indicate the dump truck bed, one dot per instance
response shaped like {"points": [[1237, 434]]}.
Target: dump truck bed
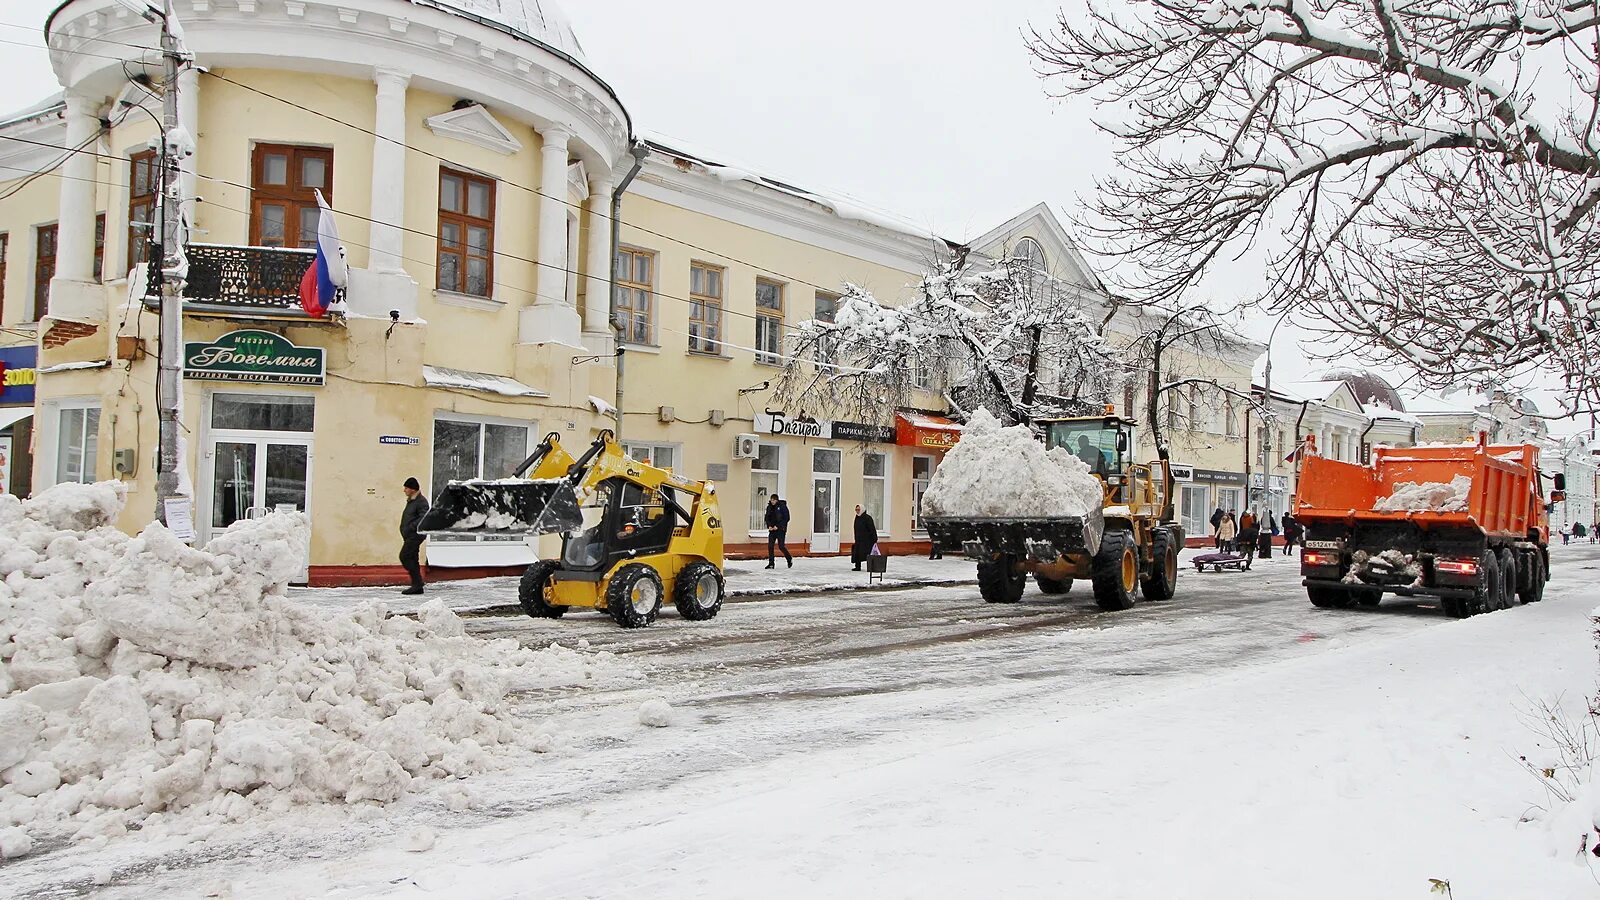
{"points": [[1500, 500]]}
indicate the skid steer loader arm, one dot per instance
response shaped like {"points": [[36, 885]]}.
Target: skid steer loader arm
{"points": [[545, 502]]}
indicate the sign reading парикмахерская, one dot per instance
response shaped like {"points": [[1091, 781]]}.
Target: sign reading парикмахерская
{"points": [[259, 357]]}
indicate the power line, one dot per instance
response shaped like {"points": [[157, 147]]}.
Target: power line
{"points": [[98, 40]]}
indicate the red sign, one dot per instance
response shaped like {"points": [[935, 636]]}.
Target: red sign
{"points": [[926, 432]]}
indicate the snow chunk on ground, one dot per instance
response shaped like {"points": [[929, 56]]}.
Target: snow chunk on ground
{"points": [[994, 471], [147, 684], [655, 713], [1432, 496]]}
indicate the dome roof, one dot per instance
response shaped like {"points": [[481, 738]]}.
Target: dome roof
{"points": [[541, 20], [1369, 387]]}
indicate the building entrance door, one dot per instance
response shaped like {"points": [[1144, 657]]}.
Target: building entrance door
{"points": [[825, 469], [251, 471]]}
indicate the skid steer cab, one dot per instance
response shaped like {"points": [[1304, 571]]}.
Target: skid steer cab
{"points": [[633, 536]]}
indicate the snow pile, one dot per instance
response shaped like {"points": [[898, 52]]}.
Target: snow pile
{"points": [[1433, 496], [149, 684], [994, 471], [1388, 562], [655, 713]]}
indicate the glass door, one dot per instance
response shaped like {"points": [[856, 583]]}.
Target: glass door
{"points": [[825, 469], [258, 448]]}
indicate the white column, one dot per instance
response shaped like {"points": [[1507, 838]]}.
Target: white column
{"points": [[189, 118], [388, 171], [597, 302], [551, 319], [75, 225]]}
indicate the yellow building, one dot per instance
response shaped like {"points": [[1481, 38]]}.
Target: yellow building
{"points": [[471, 156]]}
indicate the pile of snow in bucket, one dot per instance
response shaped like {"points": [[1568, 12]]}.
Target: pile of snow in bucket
{"points": [[146, 684], [994, 471], [1434, 496]]}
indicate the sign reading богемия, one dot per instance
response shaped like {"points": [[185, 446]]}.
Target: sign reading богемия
{"points": [[259, 357]]}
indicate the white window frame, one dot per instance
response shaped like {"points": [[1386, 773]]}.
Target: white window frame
{"points": [[887, 513], [50, 437], [651, 448], [468, 419], [782, 473]]}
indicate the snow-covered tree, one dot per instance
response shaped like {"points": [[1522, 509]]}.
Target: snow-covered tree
{"points": [[973, 333], [1422, 176]]}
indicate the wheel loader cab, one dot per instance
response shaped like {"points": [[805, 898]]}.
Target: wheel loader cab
{"points": [[1102, 442]]}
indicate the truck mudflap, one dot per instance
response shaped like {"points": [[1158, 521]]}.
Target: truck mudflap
{"points": [[1042, 540], [509, 506]]}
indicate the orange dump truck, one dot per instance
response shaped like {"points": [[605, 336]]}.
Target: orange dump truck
{"points": [[1467, 524]]}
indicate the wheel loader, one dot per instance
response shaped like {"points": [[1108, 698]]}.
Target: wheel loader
{"points": [[1128, 546], [633, 536]]}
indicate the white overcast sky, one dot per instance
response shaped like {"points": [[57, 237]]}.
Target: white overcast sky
{"points": [[931, 111]]}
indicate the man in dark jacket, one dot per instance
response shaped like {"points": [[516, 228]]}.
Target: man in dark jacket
{"points": [[866, 538], [1292, 533], [411, 539], [778, 530], [1216, 527], [1249, 537]]}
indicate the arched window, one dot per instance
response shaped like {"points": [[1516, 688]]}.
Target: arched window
{"points": [[1030, 254]]}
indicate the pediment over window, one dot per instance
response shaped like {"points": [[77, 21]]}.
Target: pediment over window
{"points": [[475, 125]]}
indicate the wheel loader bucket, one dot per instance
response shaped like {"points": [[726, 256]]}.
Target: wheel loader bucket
{"points": [[511, 506]]}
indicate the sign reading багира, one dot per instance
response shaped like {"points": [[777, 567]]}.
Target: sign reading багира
{"points": [[260, 357]]}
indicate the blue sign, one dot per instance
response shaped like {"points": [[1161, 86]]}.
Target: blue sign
{"points": [[402, 440], [19, 369]]}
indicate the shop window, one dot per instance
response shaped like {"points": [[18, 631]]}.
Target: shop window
{"points": [[284, 181], [662, 456], [705, 308], [99, 246], [263, 412], [635, 295], [77, 442], [466, 447], [766, 473], [466, 234], [827, 310], [875, 489], [921, 474], [143, 184], [1194, 510], [44, 266], [769, 322]]}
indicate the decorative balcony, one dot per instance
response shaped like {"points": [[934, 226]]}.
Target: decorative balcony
{"points": [[245, 280]]}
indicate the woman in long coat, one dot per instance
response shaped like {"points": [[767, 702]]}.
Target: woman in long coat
{"points": [[866, 538]]}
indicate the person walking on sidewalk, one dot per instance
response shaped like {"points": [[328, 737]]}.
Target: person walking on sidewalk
{"points": [[410, 538], [1216, 527], [778, 531], [866, 538], [1227, 531], [1292, 533], [1249, 534]]}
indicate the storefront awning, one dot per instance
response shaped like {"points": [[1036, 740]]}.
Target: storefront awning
{"points": [[11, 415], [461, 379], [925, 431]]}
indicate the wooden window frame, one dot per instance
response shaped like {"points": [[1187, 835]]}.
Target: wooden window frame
{"points": [[628, 314], [292, 195], [142, 206], [99, 246], [774, 318], [43, 272], [706, 313], [463, 221]]}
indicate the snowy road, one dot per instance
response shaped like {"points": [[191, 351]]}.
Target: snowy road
{"points": [[782, 688]]}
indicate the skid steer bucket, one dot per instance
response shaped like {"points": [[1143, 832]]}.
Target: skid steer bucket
{"points": [[512, 506]]}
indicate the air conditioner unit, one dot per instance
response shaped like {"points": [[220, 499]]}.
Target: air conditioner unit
{"points": [[746, 446]]}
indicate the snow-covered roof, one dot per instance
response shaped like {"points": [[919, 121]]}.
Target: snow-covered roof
{"points": [[1379, 410], [1451, 404], [461, 379], [1316, 391], [933, 423], [541, 20]]}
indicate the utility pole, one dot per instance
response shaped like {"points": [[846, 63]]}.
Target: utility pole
{"points": [[169, 381]]}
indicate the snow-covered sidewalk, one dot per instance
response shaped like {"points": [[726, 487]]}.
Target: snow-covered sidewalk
{"points": [[1360, 772]]}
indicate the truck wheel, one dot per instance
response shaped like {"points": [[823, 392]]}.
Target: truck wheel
{"points": [[1052, 586], [698, 592], [1000, 582], [1508, 578], [1368, 598], [634, 595], [1115, 571], [1328, 597], [1486, 597], [1536, 578], [1455, 607], [530, 591], [1163, 580]]}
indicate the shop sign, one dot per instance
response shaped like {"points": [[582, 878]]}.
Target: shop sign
{"points": [[930, 439], [19, 370], [780, 424], [1277, 485], [1181, 472], [1219, 477], [259, 357], [403, 440], [857, 431]]}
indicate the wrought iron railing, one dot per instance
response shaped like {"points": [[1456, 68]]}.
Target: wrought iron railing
{"points": [[263, 279]]}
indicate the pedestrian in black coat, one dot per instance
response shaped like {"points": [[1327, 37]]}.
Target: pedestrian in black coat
{"points": [[411, 539], [1293, 533], [866, 538], [1216, 526], [777, 519]]}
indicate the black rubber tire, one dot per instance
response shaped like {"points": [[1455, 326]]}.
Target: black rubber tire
{"points": [[1328, 597], [1537, 576], [688, 593], [1113, 587], [1455, 607], [1000, 582], [1486, 597], [1163, 580], [530, 591], [1368, 597], [620, 595], [1052, 586], [1508, 578]]}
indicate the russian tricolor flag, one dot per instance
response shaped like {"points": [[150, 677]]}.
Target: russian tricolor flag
{"points": [[321, 283]]}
